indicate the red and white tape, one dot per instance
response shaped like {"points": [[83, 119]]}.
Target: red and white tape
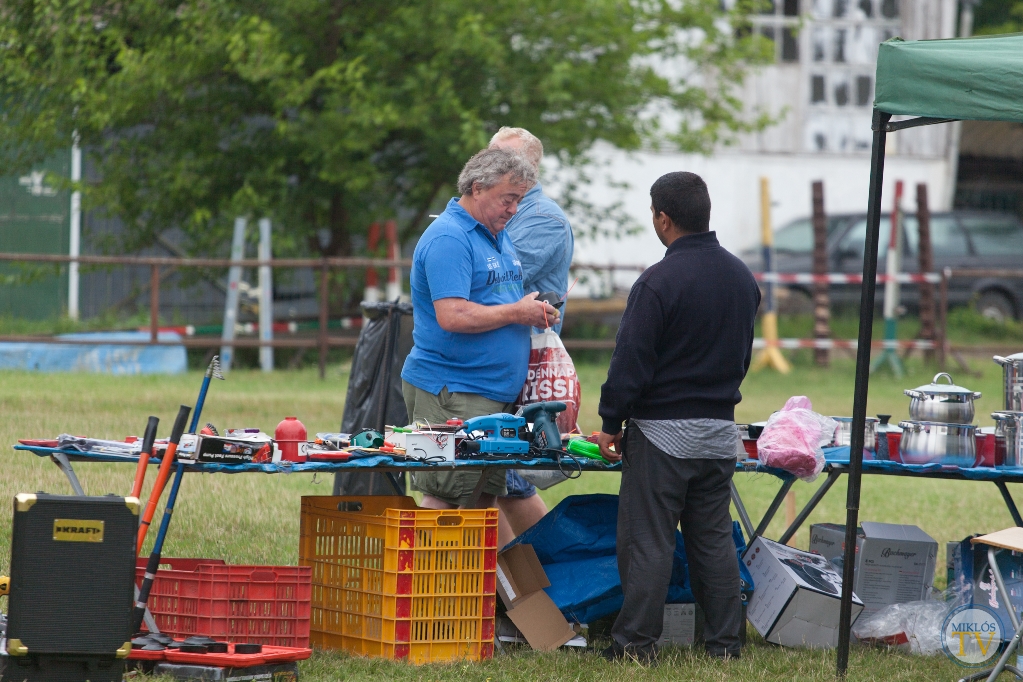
{"points": [[792, 344], [838, 278]]}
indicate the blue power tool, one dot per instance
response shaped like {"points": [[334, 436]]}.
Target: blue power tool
{"points": [[543, 416], [500, 435]]}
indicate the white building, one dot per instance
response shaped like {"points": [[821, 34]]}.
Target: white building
{"points": [[822, 87]]}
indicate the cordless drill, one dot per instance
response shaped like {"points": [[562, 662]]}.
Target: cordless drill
{"points": [[543, 417]]}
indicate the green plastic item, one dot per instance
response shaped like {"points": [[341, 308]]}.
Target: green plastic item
{"points": [[584, 448], [368, 439]]}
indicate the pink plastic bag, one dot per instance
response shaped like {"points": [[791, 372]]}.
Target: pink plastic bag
{"points": [[793, 438]]}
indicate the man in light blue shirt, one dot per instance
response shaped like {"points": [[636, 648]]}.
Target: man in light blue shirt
{"points": [[540, 230], [471, 336], [543, 239]]}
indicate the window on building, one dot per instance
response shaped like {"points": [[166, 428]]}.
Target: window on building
{"points": [[778, 21], [842, 94], [789, 44], [890, 9], [820, 141], [817, 89], [863, 84], [867, 7], [840, 8], [839, 54], [819, 42]]}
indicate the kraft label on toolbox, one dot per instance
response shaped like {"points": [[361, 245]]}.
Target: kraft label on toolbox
{"points": [[77, 530]]}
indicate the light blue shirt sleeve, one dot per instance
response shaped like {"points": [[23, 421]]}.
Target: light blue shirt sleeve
{"points": [[538, 239], [447, 263]]}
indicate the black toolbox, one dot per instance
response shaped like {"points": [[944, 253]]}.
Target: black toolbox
{"points": [[72, 582]]}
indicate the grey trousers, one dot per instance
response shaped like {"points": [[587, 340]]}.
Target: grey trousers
{"points": [[658, 493]]}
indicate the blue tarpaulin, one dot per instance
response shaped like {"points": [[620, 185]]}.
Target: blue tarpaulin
{"points": [[575, 543], [102, 357]]}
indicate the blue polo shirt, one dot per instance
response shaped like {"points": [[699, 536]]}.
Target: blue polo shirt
{"points": [[543, 239], [457, 257]]}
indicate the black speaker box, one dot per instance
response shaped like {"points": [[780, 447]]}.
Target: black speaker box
{"points": [[72, 582]]}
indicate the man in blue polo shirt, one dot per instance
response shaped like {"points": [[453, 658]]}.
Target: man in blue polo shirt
{"points": [[472, 322]]}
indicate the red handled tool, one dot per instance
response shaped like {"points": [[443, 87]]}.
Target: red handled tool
{"points": [[166, 463], [147, 451]]}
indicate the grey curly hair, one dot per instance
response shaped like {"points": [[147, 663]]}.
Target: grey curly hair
{"points": [[489, 166]]}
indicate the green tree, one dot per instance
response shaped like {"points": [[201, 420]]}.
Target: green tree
{"points": [[998, 16], [326, 115]]}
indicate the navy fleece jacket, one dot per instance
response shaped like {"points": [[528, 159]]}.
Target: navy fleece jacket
{"points": [[686, 338]]}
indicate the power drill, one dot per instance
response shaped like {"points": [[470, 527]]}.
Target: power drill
{"points": [[500, 435], [543, 417]]}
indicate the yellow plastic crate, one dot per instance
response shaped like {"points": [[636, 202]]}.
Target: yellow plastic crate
{"points": [[395, 581]]}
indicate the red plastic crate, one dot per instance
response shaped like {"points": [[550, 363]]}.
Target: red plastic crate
{"points": [[259, 604]]}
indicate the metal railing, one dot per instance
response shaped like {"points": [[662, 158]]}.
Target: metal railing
{"points": [[324, 266]]}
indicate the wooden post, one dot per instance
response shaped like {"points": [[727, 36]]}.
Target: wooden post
{"points": [[821, 300], [154, 303], [926, 262], [324, 281]]}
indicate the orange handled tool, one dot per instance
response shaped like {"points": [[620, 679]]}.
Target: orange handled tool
{"points": [[147, 451], [166, 463]]}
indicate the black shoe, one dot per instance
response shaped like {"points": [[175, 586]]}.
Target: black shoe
{"points": [[725, 654], [642, 655]]}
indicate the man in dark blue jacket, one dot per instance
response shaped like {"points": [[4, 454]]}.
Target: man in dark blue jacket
{"points": [[683, 349]]}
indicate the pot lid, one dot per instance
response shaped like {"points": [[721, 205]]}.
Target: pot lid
{"points": [[1015, 357], [934, 388]]}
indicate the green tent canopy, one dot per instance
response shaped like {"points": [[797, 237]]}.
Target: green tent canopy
{"points": [[933, 81], [974, 79]]}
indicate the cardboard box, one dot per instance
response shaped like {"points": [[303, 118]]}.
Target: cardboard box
{"points": [[828, 540], [520, 583], [950, 566], [894, 563], [505, 631], [679, 625], [973, 573], [797, 598], [433, 445]]}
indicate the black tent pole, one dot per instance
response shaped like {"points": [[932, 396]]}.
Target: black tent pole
{"points": [[852, 500]]}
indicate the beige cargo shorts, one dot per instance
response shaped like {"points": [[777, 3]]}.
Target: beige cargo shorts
{"points": [[454, 487]]}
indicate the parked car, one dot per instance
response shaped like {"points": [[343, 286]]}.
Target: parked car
{"points": [[960, 239]]}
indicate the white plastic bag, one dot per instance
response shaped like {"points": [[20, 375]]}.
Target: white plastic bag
{"points": [[552, 376], [793, 439], [914, 626]]}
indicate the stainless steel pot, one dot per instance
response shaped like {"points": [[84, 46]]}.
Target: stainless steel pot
{"points": [[1008, 438], [925, 442], [943, 403], [843, 436], [1012, 373]]}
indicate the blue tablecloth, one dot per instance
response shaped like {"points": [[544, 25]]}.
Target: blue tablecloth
{"points": [[833, 456], [840, 456], [359, 461]]}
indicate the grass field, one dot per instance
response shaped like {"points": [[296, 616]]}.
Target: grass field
{"points": [[254, 518]]}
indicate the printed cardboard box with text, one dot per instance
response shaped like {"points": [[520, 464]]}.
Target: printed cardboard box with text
{"points": [[797, 598], [894, 563]]}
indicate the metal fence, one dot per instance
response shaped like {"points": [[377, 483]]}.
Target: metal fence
{"points": [[161, 267]]}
